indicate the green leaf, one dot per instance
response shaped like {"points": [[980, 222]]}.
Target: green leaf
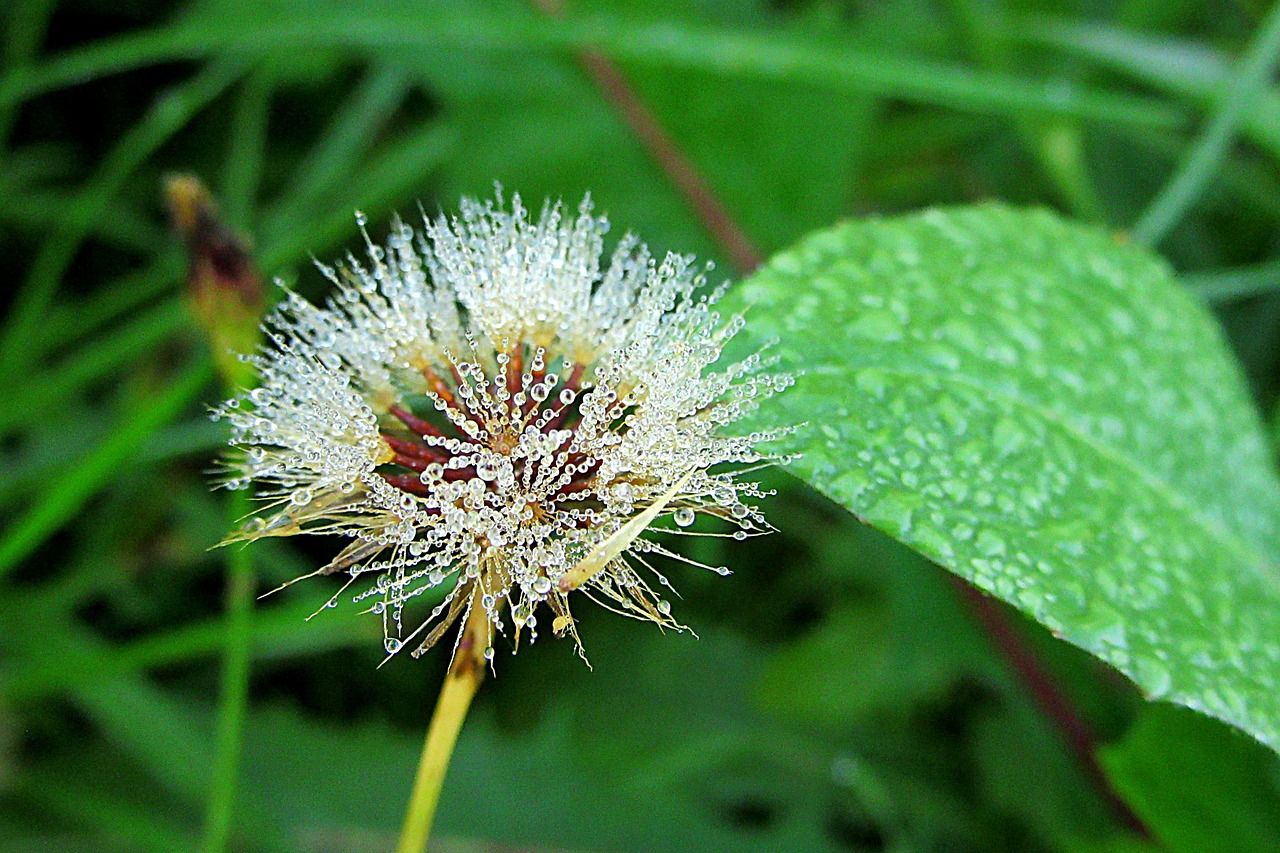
{"points": [[1197, 786], [1045, 412]]}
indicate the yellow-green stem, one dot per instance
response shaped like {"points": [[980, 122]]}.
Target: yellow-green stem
{"points": [[460, 685]]}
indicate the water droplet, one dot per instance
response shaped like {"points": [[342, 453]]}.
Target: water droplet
{"points": [[541, 585], [664, 607], [878, 324], [1153, 676], [683, 517], [392, 645]]}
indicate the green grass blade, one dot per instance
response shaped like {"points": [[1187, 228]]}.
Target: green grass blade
{"points": [[69, 321], [25, 27], [38, 212], [165, 119], [730, 52], [392, 175], [280, 631], [344, 141], [1237, 283], [1188, 182], [93, 362], [1055, 145], [242, 170], [1185, 69], [87, 803], [58, 504]]}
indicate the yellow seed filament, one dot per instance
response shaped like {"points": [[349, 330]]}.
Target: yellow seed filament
{"points": [[606, 551]]}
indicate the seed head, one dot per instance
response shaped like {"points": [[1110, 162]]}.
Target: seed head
{"points": [[484, 407]]}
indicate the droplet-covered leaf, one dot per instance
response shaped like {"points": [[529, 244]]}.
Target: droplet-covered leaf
{"points": [[1042, 410]]}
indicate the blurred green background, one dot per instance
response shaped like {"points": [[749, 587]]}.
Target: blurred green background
{"points": [[841, 693]]}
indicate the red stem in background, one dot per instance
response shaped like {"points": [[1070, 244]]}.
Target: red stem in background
{"points": [[1055, 704], [715, 217], [679, 169]]}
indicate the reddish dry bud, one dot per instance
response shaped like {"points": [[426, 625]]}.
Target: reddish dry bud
{"points": [[223, 285]]}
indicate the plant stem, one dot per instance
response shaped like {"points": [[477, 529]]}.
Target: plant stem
{"points": [[1053, 702], [234, 703], [460, 685]]}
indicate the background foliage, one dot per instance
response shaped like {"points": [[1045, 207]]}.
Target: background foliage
{"points": [[843, 693]]}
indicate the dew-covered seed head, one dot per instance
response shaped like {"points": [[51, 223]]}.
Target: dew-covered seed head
{"points": [[481, 406]]}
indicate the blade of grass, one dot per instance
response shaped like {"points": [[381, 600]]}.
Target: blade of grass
{"points": [[278, 632], [87, 803], [57, 505], [1210, 149], [24, 476], [346, 138], [1185, 69], [68, 321], [166, 118], [242, 168], [1242, 180], [395, 171], [166, 737], [1238, 283], [93, 362], [1054, 144], [24, 31], [139, 719], [38, 212], [730, 52]]}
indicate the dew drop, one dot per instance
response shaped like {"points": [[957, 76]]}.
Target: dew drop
{"points": [[392, 645], [664, 607], [541, 585], [683, 517]]}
